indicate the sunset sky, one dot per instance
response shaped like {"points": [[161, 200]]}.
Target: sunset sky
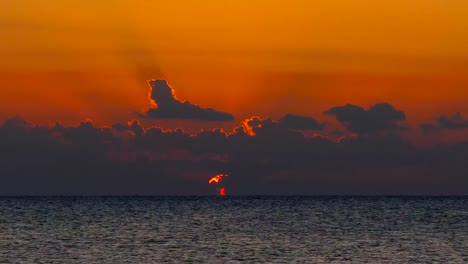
{"points": [[78, 59], [69, 61]]}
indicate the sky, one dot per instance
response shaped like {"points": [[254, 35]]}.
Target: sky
{"points": [[351, 73]]}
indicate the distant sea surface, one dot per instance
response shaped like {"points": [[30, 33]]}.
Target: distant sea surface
{"points": [[233, 229]]}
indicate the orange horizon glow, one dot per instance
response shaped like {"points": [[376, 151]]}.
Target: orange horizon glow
{"points": [[68, 97], [89, 59]]}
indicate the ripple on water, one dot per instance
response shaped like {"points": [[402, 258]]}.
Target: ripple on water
{"points": [[233, 230]]}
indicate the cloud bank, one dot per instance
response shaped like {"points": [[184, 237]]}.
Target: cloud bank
{"points": [[262, 156]]}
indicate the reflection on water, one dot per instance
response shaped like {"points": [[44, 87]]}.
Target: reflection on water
{"points": [[233, 230]]}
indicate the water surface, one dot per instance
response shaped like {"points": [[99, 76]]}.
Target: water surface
{"points": [[233, 229]]}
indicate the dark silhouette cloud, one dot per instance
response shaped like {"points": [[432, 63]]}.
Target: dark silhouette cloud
{"points": [[300, 122], [17, 122], [169, 107], [262, 156], [134, 126], [443, 122], [379, 117], [163, 141], [120, 127]]}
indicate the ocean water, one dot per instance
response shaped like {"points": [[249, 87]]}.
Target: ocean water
{"points": [[234, 230]]}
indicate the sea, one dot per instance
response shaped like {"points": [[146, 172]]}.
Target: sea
{"points": [[245, 229]]}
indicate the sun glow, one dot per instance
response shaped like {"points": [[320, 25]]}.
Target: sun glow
{"points": [[222, 192], [217, 179]]}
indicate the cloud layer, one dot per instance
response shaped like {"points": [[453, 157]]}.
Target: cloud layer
{"points": [[262, 156], [169, 107]]}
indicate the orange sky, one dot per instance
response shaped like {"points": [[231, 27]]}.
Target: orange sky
{"points": [[68, 60]]}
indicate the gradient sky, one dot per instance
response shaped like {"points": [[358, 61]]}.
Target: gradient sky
{"points": [[78, 59], [66, 61]]}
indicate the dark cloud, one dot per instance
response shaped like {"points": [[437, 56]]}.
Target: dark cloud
{"points": [[163, 141], [261, 155], [443, 122], [17, 122], [87, 134], [120, 127], [134, 126], [169, 107], [298, 122], [379, 117]]}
